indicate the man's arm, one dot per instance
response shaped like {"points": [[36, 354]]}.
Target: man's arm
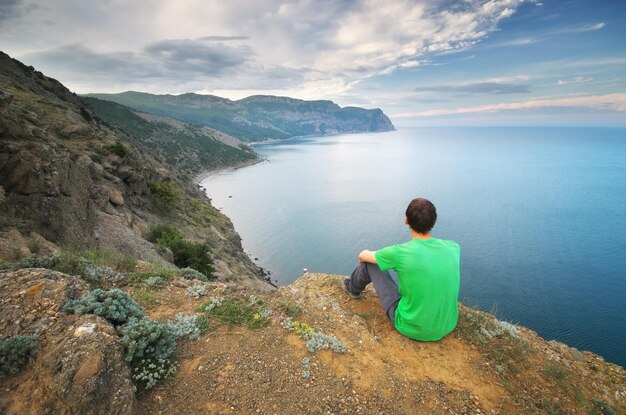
{"points": [[367, 256]]}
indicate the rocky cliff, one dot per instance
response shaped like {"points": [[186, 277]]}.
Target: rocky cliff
{"points": [[81, 182], [306, 348], [258, 117]]}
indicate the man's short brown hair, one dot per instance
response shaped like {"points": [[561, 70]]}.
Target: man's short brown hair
{"points": [[421, 215]]}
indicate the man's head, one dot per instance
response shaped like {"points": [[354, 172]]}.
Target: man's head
{"points": [[421, 215]]}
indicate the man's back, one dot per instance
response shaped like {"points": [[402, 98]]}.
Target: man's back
{"points": [[429, 276]]}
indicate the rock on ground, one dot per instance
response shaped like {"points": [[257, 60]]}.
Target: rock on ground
{"points": [[78, 366]]}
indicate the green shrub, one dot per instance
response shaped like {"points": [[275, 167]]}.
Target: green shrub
{"points": [[14, 352], [192, 255], [599, 407], [163, 235], [290, 308], [149, 345], [70, 262], [236, 311], [196, 291], [164, 196], [156, 277], [115, 305], [192, 274], [315, 340], [186, 254], [156, 283], [118, 261], [33, 262], [118, 148], [189, 326]]}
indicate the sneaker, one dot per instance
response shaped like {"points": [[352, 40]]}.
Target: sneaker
{"points": [[344, 286]]}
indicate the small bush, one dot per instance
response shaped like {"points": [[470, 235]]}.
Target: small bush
{"points": [[145, 296], [14, 353], [321, 341], [290, 308], [49, 262], [555, 372], [70, 262], [315, 340], [118, 261], [236, 311], [192, 255], [118, 148], [599, 407], [164, 196], [98, 274], [196, 291], [155, 283], [149, 346], [192, 274], [189, 326], [115, 305], [163, 235], [186, 254]]}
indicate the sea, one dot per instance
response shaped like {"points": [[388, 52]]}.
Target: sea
{"points": [[540, 214]]}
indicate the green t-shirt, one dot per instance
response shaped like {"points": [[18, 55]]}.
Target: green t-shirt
{"points": [[429, 276]]}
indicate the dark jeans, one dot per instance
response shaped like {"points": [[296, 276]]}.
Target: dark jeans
{"points": [[385, 286]]}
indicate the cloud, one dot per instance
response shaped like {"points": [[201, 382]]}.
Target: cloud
{"points": [[318, 47], [583, 28], [223, 38], [193, 56], [610, 102], [574, 80], [13, 9], [540, 37], [478, 88]]}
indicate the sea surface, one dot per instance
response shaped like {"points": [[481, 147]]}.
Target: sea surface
{"points": [[540, 214]]}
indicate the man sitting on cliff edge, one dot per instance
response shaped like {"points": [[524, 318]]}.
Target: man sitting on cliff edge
{"points": [[423, 306]]}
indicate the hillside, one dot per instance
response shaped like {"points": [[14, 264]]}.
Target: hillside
{"points": [[189, 147], [306, 348], [257, 117], [124, 291], [69, 179]]}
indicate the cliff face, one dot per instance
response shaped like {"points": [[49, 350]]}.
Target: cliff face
{"points": [[258, 117], [81, 182], [309, 349]]}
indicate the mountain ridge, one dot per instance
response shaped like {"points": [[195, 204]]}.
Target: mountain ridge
{"points": [[257, 117]]}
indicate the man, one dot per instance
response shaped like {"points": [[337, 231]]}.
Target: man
{"points": [[423, 306]]}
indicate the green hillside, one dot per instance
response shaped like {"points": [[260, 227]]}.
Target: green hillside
{"points": [[189, 147], [257, 117]]}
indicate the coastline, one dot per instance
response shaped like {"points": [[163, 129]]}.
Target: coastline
{"points": [[200, 177]]}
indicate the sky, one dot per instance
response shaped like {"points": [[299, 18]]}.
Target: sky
{"points": [[423, 62]]}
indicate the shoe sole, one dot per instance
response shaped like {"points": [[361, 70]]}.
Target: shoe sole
{"points": [[351, 294]]}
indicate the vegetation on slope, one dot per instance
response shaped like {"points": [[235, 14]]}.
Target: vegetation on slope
{"points": [[190, 148], [82, 182]]}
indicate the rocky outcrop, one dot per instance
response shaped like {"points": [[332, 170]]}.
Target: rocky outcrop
{"points": [[81, 182], [78, 366], [485, 366]]}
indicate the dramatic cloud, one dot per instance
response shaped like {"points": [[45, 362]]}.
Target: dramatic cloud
{"points": [[319, 47], [12, 9], [611, 102], [477, 88]]}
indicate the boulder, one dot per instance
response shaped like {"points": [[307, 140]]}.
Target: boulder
{"points": [[13, 246], [115, 197], [78, 366]]}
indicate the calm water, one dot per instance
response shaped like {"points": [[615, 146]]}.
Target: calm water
{"points": [[540, 214]]}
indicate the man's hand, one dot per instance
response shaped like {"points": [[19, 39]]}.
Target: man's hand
{"points": [[367, 256]]}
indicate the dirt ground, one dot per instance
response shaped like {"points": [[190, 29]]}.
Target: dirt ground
{"points": [[241, 371]]}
